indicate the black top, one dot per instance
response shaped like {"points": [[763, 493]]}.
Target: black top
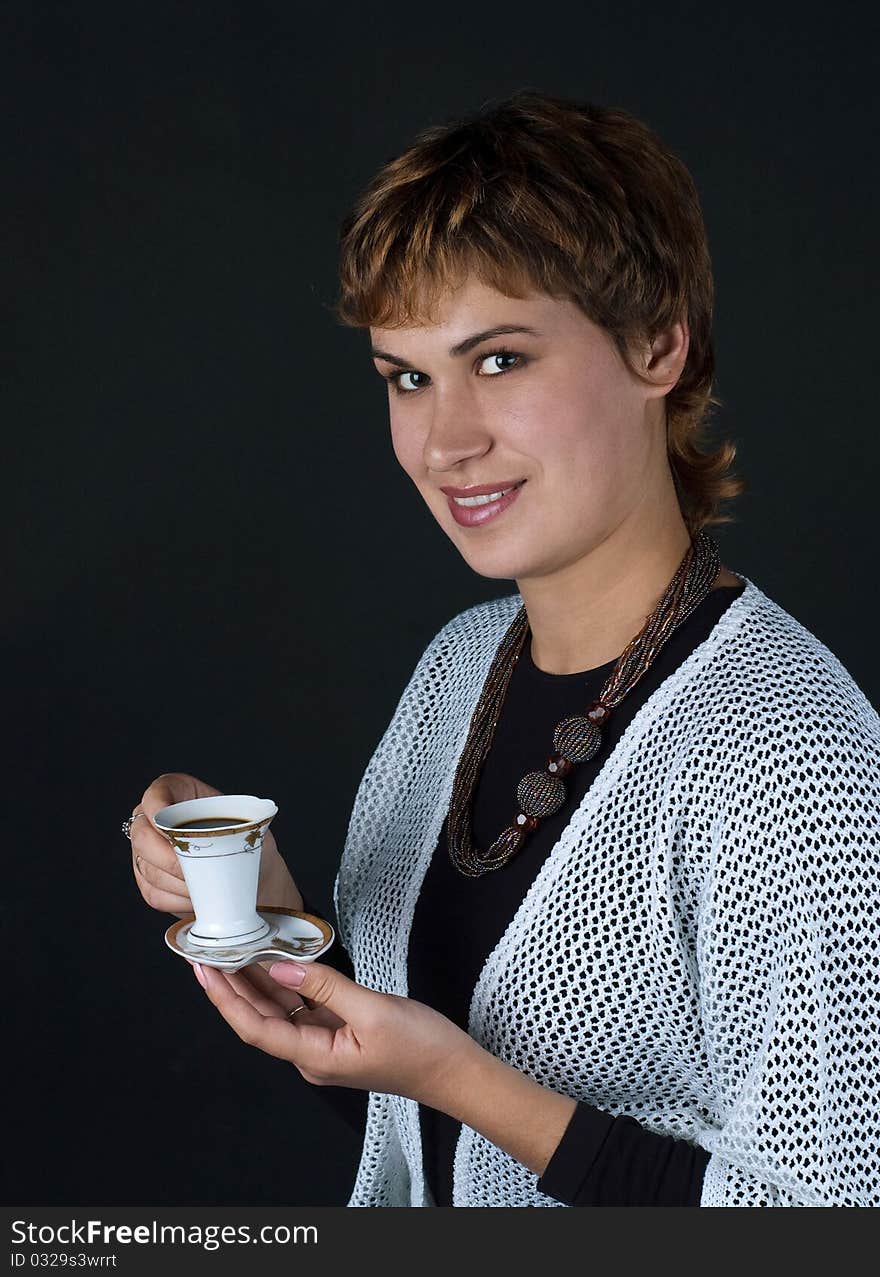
{"points": [[600, 1160]]}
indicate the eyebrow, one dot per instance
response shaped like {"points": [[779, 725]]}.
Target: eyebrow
{"points": [[462, 347]]}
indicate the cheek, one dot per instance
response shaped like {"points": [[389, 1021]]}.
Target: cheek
{"points": [[406, 449], [570, 437], [583, 445], [599, 454]]}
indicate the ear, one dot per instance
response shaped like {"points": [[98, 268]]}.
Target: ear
{"points": [[665, 357]]}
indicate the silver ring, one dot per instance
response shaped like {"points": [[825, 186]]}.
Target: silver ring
{"points": [[127, 824], [290, 1014]]}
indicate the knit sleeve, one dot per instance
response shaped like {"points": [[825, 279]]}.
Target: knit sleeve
{"points": [[788, 944]]}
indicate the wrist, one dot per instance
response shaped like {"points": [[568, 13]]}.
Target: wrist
{"points": [[458, 1071], [508, 1107], [465, 1073]]}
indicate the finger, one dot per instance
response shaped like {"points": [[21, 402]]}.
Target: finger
{"points": [[271, 988], [161, 884], [174, 787], [156, 875], [165, 901], [266, 1004], [170, 902], [278, 1037], [312, 1014], [327, 987], [152, 845], [159, 877]]}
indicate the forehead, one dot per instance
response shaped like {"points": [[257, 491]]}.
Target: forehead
{"points": [[465, 308]]}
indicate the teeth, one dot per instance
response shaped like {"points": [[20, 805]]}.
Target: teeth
{"points": [[484, 500]]}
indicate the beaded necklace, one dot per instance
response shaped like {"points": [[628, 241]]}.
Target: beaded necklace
{"points": [[576, 739]]}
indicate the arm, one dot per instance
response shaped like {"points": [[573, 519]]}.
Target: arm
{"points": [[510, 1109], [604, 1160], [585, 1157], [787, 959], [355, 1036]]}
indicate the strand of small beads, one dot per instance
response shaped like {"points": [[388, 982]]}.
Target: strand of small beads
{"points": [[576, 739]]}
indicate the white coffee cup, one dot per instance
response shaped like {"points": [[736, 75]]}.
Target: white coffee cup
{"points": [[221, 865]]}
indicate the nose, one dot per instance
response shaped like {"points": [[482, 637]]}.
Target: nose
{"points": [[456, 433]]}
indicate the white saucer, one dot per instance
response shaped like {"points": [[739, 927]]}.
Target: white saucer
{"points": [[301, 937]]}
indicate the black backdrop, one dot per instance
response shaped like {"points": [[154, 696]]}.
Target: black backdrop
{"points": [[215, 564]]}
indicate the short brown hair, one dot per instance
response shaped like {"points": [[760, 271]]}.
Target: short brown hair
{"points": [[575, 200]]}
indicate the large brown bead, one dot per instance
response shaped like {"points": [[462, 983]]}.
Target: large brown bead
{"points": [[527, 824], [598, 713], [577, 738], [539, 794], [558, 766]]}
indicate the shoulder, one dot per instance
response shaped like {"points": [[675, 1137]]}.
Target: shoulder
{"points": [[784, 774], [458, 657], [796, 740], [476, 630], [775, 667]]}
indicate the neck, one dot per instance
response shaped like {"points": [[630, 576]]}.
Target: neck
{"points": [[584, 615]]}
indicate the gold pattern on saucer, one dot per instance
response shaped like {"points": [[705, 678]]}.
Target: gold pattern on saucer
{"points": [[301, 944], [323, 927]]}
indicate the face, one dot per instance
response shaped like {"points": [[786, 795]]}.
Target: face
{"points": [[554, 407]]}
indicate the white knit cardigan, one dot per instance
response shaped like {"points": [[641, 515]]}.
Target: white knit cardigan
{"points": [[700, 948]]}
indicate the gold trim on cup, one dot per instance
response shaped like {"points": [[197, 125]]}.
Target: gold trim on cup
{"points": [[181, 837], [219, 833]]}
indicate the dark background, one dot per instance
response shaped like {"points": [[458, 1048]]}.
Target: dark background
{"points": [[215, 564]]}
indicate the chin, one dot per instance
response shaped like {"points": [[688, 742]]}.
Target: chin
{"points": [[498, 562], [497, 567]]}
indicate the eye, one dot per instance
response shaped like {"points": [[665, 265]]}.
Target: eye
{"points": [[495, 355], [396, 378]]}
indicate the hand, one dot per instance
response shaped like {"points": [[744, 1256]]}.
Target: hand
{"points": [[351, 1036], [154, 861]]}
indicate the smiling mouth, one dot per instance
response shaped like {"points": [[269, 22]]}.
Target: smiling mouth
{"points": [[487, 498]]}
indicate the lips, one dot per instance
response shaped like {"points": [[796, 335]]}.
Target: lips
{"points": [[483, 489], [476, 515]]}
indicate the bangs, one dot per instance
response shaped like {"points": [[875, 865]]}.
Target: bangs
{"points": [[404, 285]]}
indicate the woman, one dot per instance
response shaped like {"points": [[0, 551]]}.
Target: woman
{"points": [[609, 890]]}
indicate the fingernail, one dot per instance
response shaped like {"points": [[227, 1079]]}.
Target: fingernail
{"points": [[289, 973], [200, 975]]}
